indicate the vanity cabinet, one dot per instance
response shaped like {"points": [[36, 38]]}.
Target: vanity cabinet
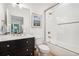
{"points": [[18, 47]]}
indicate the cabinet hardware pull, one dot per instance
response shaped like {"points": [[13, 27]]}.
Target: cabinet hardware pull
{"points": [[26, 41], [49, 32], [8, 45], [27, 49], [31, 53]]}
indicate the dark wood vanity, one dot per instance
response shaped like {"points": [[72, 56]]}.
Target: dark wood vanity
{"points": [[18, 47]]}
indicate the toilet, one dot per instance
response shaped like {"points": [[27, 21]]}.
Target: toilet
{"points": [[43, 50], [41, 47]]}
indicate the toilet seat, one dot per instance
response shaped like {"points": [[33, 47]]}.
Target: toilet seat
{"points": [[43, 48]]}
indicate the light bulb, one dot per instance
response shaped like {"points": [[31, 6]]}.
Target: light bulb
{"points": [[20, 5], [14, 4]]}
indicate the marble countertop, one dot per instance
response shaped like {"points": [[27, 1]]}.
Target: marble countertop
{"points": [[14, 37]]}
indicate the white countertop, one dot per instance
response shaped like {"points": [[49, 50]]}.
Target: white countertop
{"points": [[14, 37]]}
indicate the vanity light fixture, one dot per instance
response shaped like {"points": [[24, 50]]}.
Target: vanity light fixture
{"points": [[20, 5]]}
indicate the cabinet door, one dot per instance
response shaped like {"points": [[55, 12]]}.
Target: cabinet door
{"points": [[20, 43], [7, 53], [19, 47], [31, 42]]}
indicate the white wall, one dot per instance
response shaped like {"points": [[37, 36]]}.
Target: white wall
{"points": [[39, 8], [2, 15], [2, 11], [26, 13], [36, 8], [37, 32]]}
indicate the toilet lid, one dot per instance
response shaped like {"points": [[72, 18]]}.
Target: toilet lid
{"points": [[43, 47]]}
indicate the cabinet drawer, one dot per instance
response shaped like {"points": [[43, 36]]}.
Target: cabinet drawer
{"points": [[7, 45], [12, 44]]}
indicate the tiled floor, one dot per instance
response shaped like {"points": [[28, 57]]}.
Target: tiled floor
{"points": [[49, 54]]}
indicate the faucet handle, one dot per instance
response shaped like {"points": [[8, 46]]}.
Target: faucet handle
{"points": [[49, 32]]}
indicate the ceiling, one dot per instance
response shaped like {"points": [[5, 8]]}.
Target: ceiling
{"points": [[36, 6], [39, 6]]}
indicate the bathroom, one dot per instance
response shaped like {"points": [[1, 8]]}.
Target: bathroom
{"points": [[39, 29]]}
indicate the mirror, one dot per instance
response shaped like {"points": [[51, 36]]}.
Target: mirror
{"points": [[17, 20], [16, 24]]}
